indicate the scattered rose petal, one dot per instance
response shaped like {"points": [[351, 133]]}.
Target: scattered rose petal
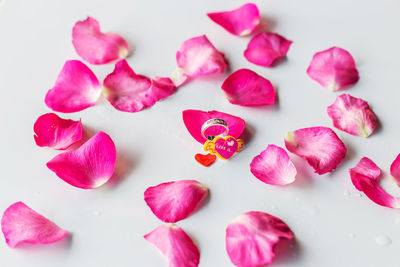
{"points": [[273, 166], [57, 133], [194, 119], [365, 177], [96, 47], [76, 88], [333, 68], [395, 170], [352, 115], [205, 160], [265, 48], [90, 166], [241, 21], [161, 87], [252, 237], [21, 224], [198, 57], [246, 88], [176, 246], [175, 201], [320, 146]]}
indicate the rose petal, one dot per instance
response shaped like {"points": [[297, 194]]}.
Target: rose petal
{"points": [[175, 201], [320, 146], [352, 115], [333, 68], [246, 88], [21, 224], [90, 166], [176, 246], [198, 57], [161, 87], [395, 170], [265, 48], [194, 119], [96, 47], [273, 166], [365, 177], [76, 88], [241, 21], [252, 237], [57, 133]]}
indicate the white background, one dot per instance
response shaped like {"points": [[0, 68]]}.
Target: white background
{"points": [[333, 224]]}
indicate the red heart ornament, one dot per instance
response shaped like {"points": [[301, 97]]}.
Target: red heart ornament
{"points": [[205, 160]]}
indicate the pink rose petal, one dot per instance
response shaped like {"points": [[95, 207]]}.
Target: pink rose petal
{"points": [[96, 47], [320, 146], [161, 87], [198, 57], [57, 133], [176, 246], [90, 166], [352, 115], [266, 48], [395, 170], [365, 177], [252, 237], [246, 88], [333, 68], [21, 224], [194, 119], [175, 201], [241, 21], [76, 88], [273, 166]]}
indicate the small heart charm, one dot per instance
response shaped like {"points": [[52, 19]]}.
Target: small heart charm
{"points": [[224, 147], [205, 160]]}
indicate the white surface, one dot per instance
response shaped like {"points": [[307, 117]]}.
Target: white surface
{"points": [[334, 226]]}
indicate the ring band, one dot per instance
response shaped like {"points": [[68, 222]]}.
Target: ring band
{"points": [[211, 123]]}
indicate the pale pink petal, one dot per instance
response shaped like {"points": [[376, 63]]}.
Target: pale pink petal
{"points": [[352, 115], [76, 88], [197, 57], [241, 21], [265, 48], [246, 88], [176, 246], [90, 166], [252, 237], [21, 224], [333, 68], [57, 133], [96, 47], [365, 177], [175, 201], [395, 170], [320, 146], [273, 166], [194, 119]]}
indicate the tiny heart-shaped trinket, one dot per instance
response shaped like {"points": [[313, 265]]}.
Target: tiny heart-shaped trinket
{"points": [[224, 147], [205, 160]]}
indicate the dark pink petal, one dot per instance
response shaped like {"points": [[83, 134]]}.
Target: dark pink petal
{"points": [[241, 21], [161, 87], [320, 146], [21, 224], [252, 237], [175, 201], [57, 133], [395, 170], [365, 177], [352, 115], [96, 47], [198, 57], [246, 88], [76, 88], [176, 246], [90, 166], [194, 119], [273, 166], [265, 48], [333, 68]]}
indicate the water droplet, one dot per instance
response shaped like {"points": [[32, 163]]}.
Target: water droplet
{"points": [[351, 235], [356, 194], [383, 240]]}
